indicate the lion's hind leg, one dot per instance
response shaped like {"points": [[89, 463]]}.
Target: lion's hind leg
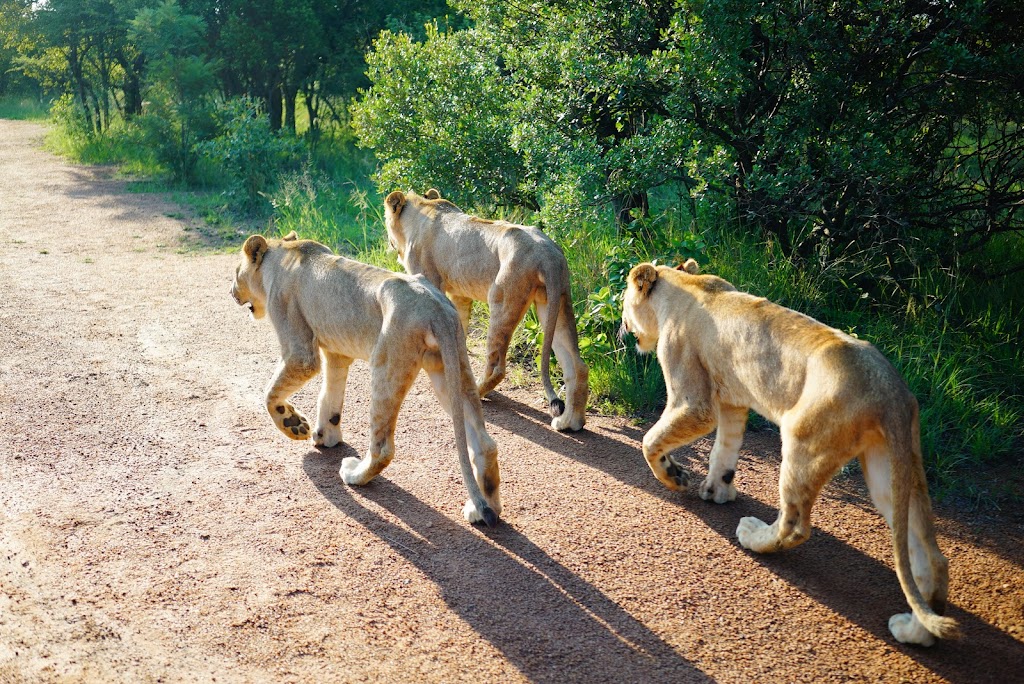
{"points": [[390, 381], [291, 374], [332, 400], [483, 451], [575, 373], [801, 477], [508, 306], [929, 566]]}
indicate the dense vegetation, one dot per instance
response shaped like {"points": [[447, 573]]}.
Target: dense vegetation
{"points": [[860, 161]]}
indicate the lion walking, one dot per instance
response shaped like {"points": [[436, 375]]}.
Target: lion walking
{"points": [[833, 397], [327, 311], [509, 266]]}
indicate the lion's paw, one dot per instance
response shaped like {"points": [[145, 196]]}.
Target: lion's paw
{"points": [[474, 515], [289, 421], [718, 490], [328, 431], [752, 533], [908, 630], [351, 472], [568, 423], [671, 473]]}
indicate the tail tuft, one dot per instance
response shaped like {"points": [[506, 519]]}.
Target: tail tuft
{"points": [[556, 407], [942, 627]]}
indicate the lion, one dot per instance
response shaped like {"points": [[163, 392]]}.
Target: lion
{"points": [[723, 352], [328, 310], [506, 265]]}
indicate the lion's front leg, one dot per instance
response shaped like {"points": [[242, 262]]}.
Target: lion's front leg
{"points": [[332, 400], [718, 486], [676, 427], [291, 374]]}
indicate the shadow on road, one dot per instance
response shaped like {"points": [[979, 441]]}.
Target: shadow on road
{"points": [[866, 592], [548, 622], [827, 569]]}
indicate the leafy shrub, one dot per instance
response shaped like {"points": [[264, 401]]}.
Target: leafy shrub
{"points": [[251, 154], [67, 114]]}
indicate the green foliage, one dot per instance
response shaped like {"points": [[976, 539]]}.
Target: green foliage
{"points": [[179, 112], [878, 131], [437, 116], [252, 155]]}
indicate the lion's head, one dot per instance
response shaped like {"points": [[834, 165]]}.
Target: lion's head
{"points": [[247, 289], [638, 315]]}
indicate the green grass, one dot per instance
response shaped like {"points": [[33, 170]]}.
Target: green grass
{"points": [[121, 145], [23, 108]]}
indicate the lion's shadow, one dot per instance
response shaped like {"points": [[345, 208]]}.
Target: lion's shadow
{"points": [[827, 569], [547, 621]]}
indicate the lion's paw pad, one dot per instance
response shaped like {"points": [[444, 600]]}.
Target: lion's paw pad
{"points": [[749, 530], [292, 423], [676, 476]]}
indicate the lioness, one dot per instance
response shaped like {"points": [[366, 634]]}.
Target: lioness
{"points": [[324, 306], [506, 265], [834, 398]]}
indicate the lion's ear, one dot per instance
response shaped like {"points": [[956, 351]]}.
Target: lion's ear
{"points": [[290, 236], [432, 194], [254, 248], [395, 201], [643, 277], [689, 266]]}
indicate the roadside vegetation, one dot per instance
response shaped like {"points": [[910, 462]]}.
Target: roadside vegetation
{"points": [[863, 164]]}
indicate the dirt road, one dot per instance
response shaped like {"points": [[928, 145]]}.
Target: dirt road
{"points": [[154, 527]]}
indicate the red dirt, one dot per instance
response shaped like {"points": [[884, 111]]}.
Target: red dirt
{"points": [[155, 527]]}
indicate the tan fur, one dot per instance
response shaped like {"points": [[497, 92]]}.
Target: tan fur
{"points": [[506, 265], [328, 310], [835, 398]]}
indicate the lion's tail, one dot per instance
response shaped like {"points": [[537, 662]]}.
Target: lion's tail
{"points": [[452, 339], [907, 476]]}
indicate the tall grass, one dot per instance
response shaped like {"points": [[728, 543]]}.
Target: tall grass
{"points": [[23, 108]]}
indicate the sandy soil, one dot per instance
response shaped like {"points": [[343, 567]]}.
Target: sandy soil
{"points": [[154, 526]]}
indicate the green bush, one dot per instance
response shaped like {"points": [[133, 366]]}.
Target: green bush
{"points": [[251, 154]]}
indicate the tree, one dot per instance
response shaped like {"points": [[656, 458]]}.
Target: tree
{"points": [[890, 131], [438, 114], [103, 68], [179, 114]]}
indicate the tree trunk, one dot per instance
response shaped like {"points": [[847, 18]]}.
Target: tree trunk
{"points": [[314, 121], [75, 64], [275, 109], [132, 85], [290, 94], [628, 204]]}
